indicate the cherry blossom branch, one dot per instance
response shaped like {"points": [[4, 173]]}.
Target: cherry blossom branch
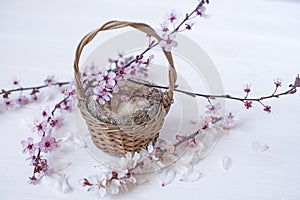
{"points": [[112, 181], [141, 55], [109, 81], [189, 137], [47, 142], [198, 10], [38, 159], [23, 99], [34, 89], [246, 100]]}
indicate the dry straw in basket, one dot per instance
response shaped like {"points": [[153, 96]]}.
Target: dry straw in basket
{"points": [[116, 139]]}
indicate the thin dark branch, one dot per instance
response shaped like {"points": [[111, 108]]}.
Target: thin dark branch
{"points": [[55, 107], [38, 156], [188, 16], [187, 138], [141, 54], [292, 90], [33, 88], [153, 44]]}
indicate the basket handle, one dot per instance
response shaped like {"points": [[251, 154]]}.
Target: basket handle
{"points": [[116, 25]]}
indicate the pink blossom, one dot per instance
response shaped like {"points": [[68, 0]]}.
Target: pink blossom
{"points": [[41, 167], [34, 97], [71, 90], [32, 158], [46, 113], [33, 180], [133, 70], [189, 25], [22, 100], [277, 82], [297, 81], [45, 169], [267, 109], [129, 160], [65, 105], [248, 104], [165, 26], [168, 41], [180, 137], [101, 94], [108, 78], [16, 82], [9, 104], [50, 80], [84, 182], [123, 73], [29, 146], [192, 142], [148, 61], [247, 88], [40, 127], [213, 109], [89, 73], [172, 16], [229, 121], [121, 62], [92, 72], [57, 122], [47, 144], [201, 11]]}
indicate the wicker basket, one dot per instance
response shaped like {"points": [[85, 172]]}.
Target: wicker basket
{"points": [[118, 139]]}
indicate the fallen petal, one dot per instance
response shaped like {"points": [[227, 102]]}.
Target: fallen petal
{"points": [[226, 162], [256, 146], [167, 177], [193, 122], [192, 176], [57, 182]]}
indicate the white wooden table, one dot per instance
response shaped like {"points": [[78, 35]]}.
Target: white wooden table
{"points": [[249, 41]]}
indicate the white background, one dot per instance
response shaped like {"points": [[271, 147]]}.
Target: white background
{"points": [[249, 41]]}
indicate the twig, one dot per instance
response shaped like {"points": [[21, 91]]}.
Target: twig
{"points": [[38, 159], [188, 16], [187, 138], [154, 44], [35, 89], [292, 90]]}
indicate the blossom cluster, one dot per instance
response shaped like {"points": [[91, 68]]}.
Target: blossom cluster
{"points": [[104, 83], [248, 102], [50, 120], [11, 101], [111, 181], [172, 25]]}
